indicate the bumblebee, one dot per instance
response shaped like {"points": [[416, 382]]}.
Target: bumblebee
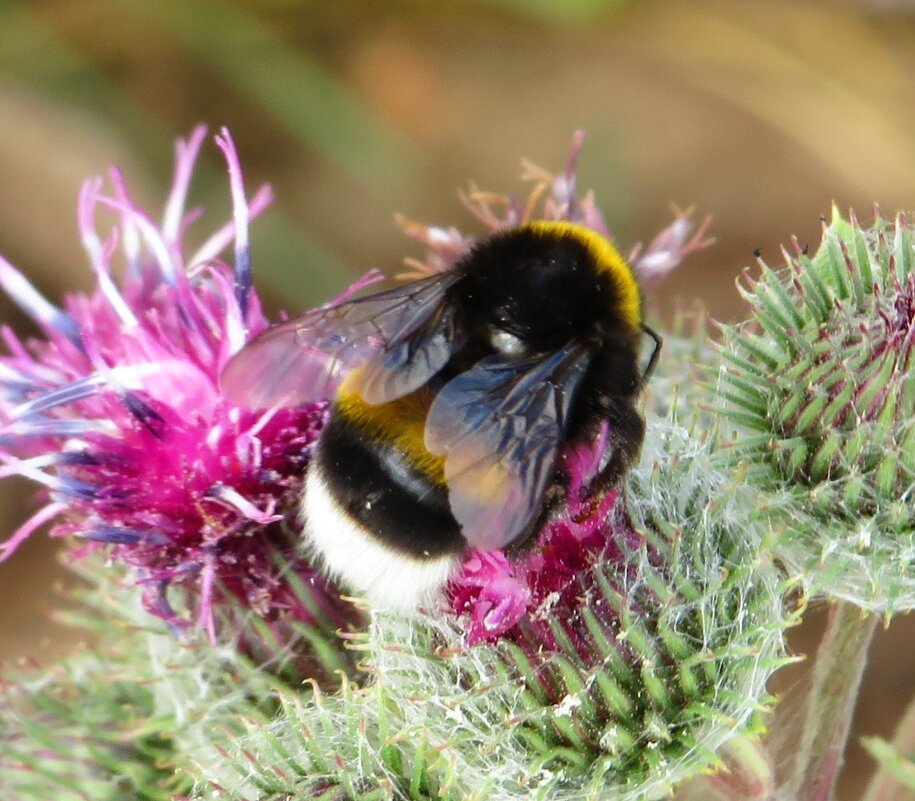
{"points": [[454, 398]]}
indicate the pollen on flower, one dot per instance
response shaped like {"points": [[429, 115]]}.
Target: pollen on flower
{"points": [[116, 410]]}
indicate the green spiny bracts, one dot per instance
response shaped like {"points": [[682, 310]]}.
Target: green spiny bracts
{"points": [[615, 695], [819, 384], [348, 746], [89, 727], [150, 716], [662, 659]]}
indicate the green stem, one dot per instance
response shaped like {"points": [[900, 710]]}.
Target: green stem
{"points": [[885, 786], [831, 704]]}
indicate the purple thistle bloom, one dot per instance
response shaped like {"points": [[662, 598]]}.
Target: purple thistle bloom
{"points": [[118, 413], [553, 197]]}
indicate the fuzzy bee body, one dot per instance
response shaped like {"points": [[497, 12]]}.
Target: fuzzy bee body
{"points": [[375, 504], [454, 399]]}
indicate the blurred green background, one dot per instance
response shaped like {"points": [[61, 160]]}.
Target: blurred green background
{"points": [[760, 112]]}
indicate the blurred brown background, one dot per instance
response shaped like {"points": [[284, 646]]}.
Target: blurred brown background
{"points": [[760, 112]]}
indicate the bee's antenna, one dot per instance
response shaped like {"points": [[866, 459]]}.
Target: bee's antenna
{"points": [[652, 362]]}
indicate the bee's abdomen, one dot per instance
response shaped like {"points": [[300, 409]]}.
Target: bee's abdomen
{"points": [[376, 506], [385, 492]]}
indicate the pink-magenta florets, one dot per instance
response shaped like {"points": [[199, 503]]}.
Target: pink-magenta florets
{"points": [[118, 412]]}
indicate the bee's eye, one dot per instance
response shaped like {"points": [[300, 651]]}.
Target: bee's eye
{"points": [[505, 343]]}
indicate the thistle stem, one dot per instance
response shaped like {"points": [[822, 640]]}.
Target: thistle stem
{"points": [[831, 703]]}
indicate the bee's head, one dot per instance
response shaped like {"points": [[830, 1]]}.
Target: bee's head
{"points": [[529, 290]]}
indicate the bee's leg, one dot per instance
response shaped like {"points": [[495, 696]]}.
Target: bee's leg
{"points": [[626, 430]]}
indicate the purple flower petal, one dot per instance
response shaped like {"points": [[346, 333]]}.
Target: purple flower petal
{"points": [[117, 411]]}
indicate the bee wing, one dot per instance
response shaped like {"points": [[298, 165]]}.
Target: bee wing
{"points": [[408, 363], [500, 426], [306, 359]]}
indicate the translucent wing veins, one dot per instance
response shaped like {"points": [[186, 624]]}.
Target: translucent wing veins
{"points": [[500, 426], [305, 359]]}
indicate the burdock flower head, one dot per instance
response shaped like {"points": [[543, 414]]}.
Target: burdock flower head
{"points": [[616, 654], [612, 662], [820, 384], [607, 661], [115, 409]]}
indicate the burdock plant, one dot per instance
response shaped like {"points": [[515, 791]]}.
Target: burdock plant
{"points": [[626, 651], [819, 385], [116, 411]]}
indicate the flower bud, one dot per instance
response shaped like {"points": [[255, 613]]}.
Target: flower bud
{"points": [[819, 384]]}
